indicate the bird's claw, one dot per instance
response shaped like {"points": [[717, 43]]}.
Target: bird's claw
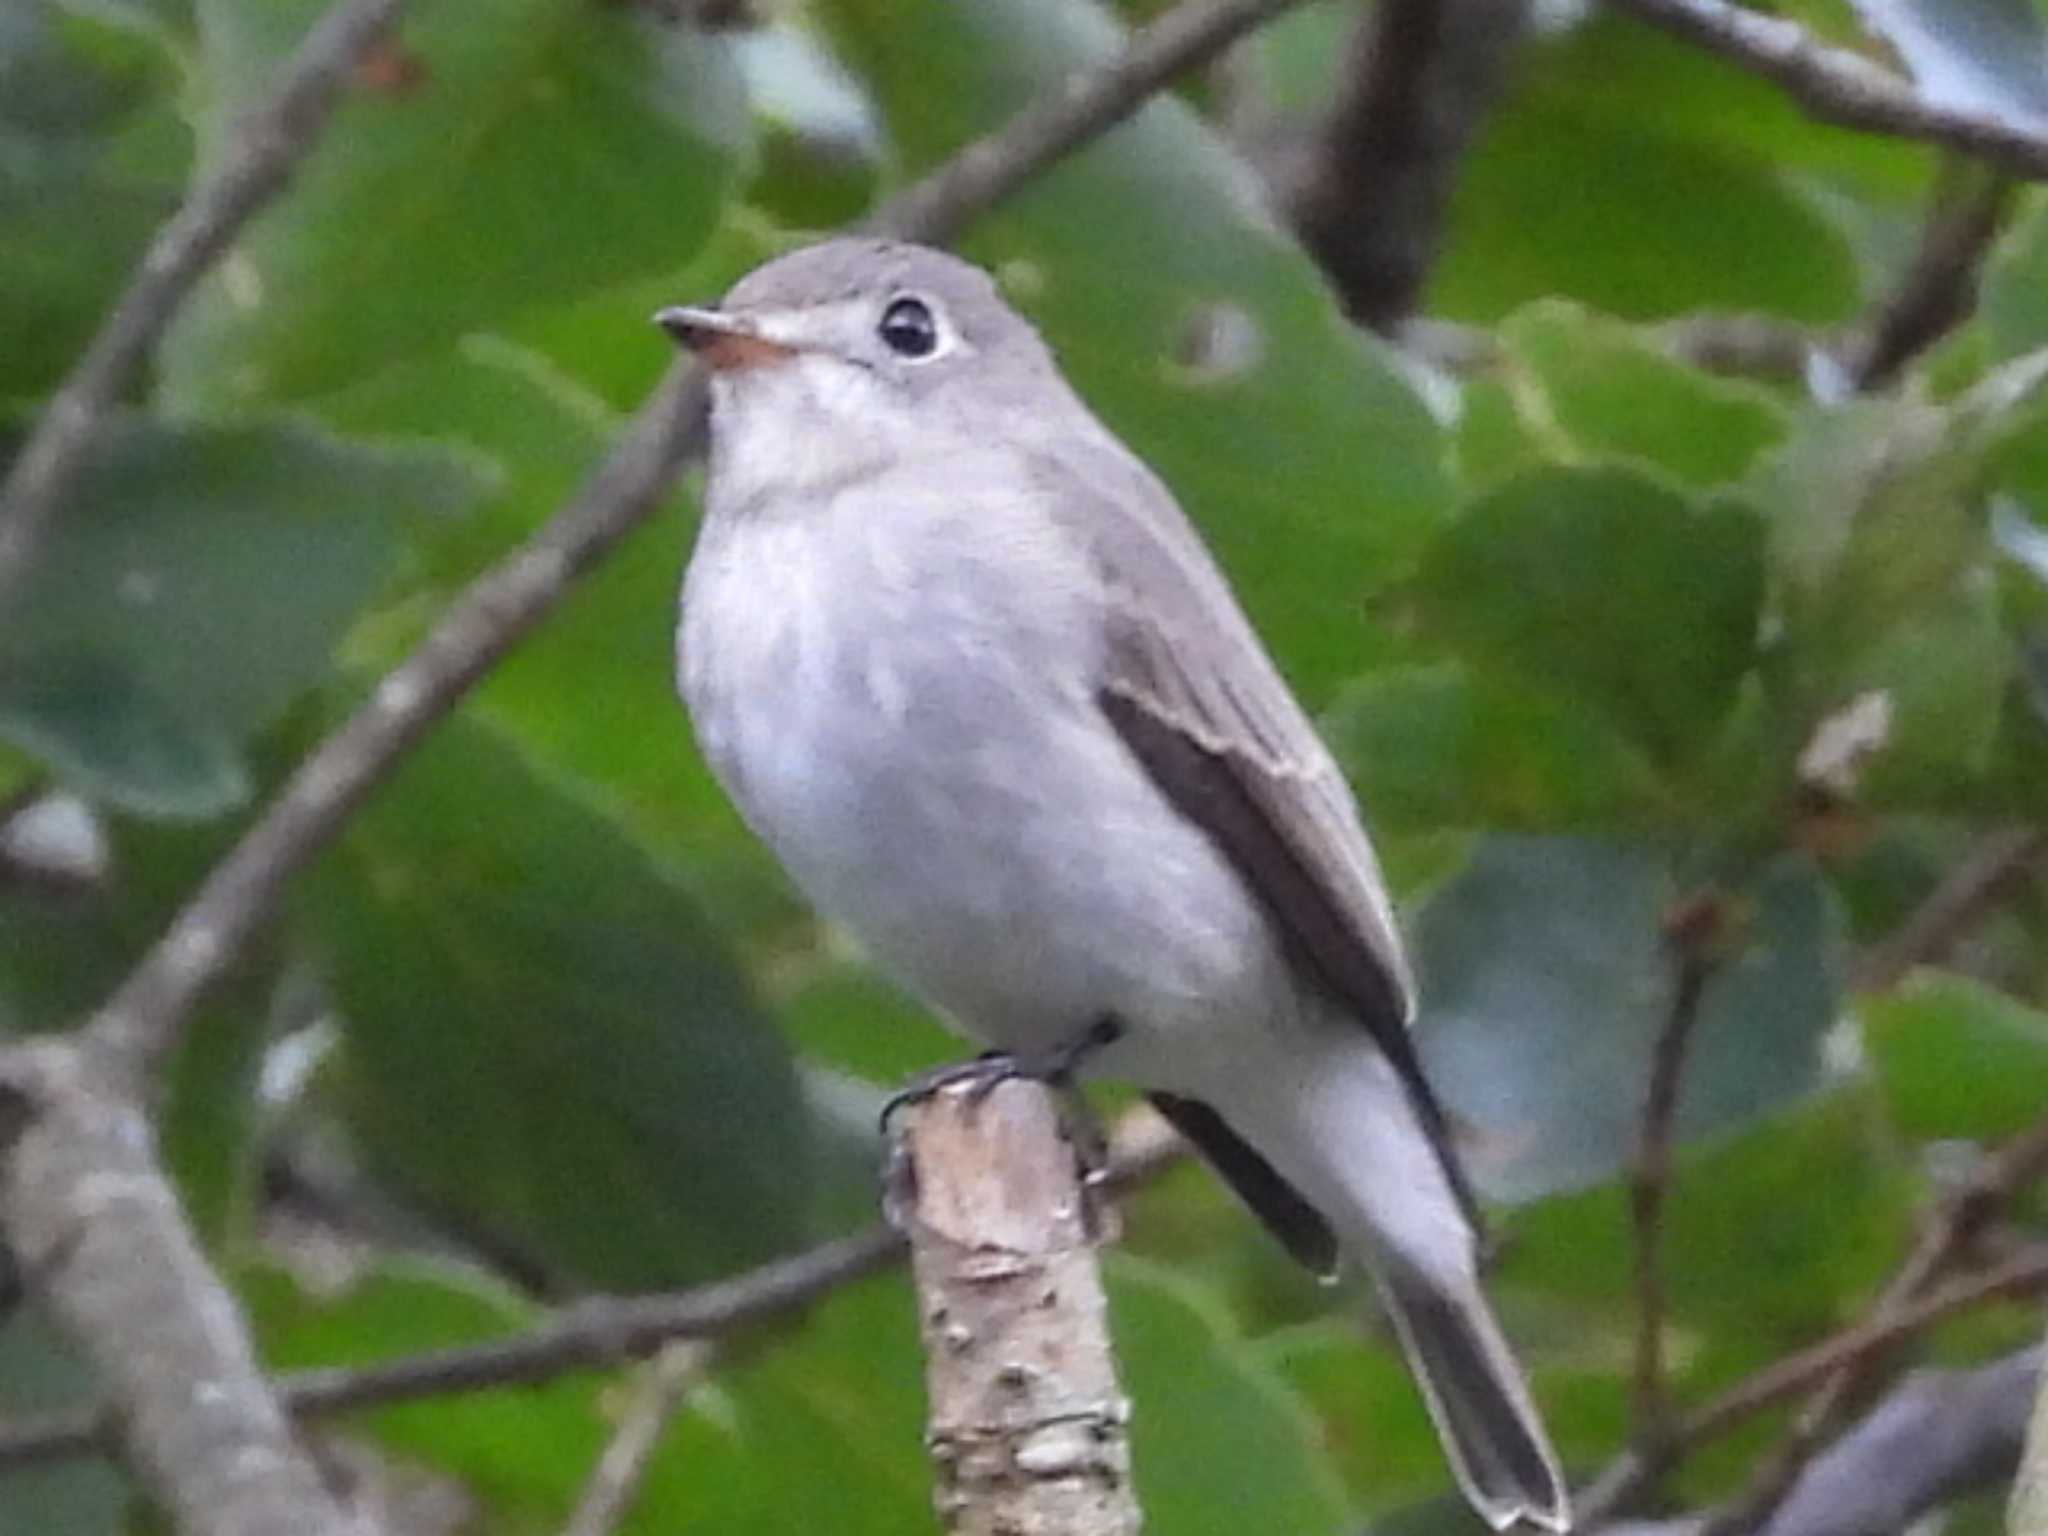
{"points": [[981, 1077], [988, 1071]]}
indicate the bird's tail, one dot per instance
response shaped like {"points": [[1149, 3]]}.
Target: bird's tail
{"points": [[1476, 1395], [1348, 1138]]}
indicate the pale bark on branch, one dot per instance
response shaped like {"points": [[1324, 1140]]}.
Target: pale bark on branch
{"points": [[2028, 1515], [1029, 1432], [595, 1334], [1834, 85], [103, 1246]]}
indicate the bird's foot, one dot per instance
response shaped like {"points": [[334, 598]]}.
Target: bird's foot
{"points": [[987, 1071], [981, 1076]]}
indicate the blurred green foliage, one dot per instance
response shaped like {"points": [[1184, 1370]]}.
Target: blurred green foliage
{"points": [[1581, 620]]}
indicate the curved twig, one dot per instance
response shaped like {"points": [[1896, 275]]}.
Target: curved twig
{"points": [[261, 154]]}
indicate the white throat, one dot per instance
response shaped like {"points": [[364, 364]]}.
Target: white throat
{"points": [[803, 429]]}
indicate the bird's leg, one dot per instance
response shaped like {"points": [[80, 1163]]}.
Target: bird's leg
{"points": [[1056, 1068]]}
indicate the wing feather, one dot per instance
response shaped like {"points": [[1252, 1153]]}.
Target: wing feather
{"points": [[1190, 689]]}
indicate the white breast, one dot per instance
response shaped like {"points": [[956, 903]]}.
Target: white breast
{"points": [[897, 689]]}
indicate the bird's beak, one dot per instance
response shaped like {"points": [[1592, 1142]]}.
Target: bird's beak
{"points": [[727, 343]]}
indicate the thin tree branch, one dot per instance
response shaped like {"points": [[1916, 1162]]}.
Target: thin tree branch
{"points": [[1909, 1302], [1371, 200], [1938, 289], [1968, 1208], [598, 1333], [1650, 1167], [2025, 1275], [88, 1214], [1908, 1306], [615, 1483], [142, 1021], [1944, 1242], [103, 1246], [261, 153], [1836, 86], [1029, 1431], [2027, 1512], [1955, 906], [1624, 1479], [1938, 1435], [1744, 345], [586, 1336], [1091, 102]]}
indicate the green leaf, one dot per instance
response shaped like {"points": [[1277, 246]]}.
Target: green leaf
{"points": [[18, 772], [1442, 746], [523, 1454], [1958, 1059], [850, 1016], [212, 1117], [1616, 396], [821, 1429], [1496, 437], [1371, 1417], [1944, 670], [1220, 1442], [1882, 549], [510, 163], [591, 694], [818, 152], [1770, 1239], [103, 730], [195, 585], [92, 159], [39, 1375], [2020, 468], [67, 74], [1291, 439], [1546, 981], [1602, 585], [2015, 292], [823, 1432], [606, 341], [828, 1430], [1634, 173], [61, 952], [1299, 57], [1869, 521], [545, 1037], [1187, 1222]]}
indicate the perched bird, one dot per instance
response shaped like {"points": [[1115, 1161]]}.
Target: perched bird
{"points": [[968, 670]]}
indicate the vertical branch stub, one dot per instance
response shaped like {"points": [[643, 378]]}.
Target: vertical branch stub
{"points": [[1029, 1434]]}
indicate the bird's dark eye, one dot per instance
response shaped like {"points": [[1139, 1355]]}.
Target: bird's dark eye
{"points": [[908, 329]]}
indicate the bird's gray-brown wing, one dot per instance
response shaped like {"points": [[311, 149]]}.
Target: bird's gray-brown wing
{"points": [[1190, 689]]}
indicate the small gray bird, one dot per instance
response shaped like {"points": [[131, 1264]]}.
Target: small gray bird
{"points": [[968, 670]]}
